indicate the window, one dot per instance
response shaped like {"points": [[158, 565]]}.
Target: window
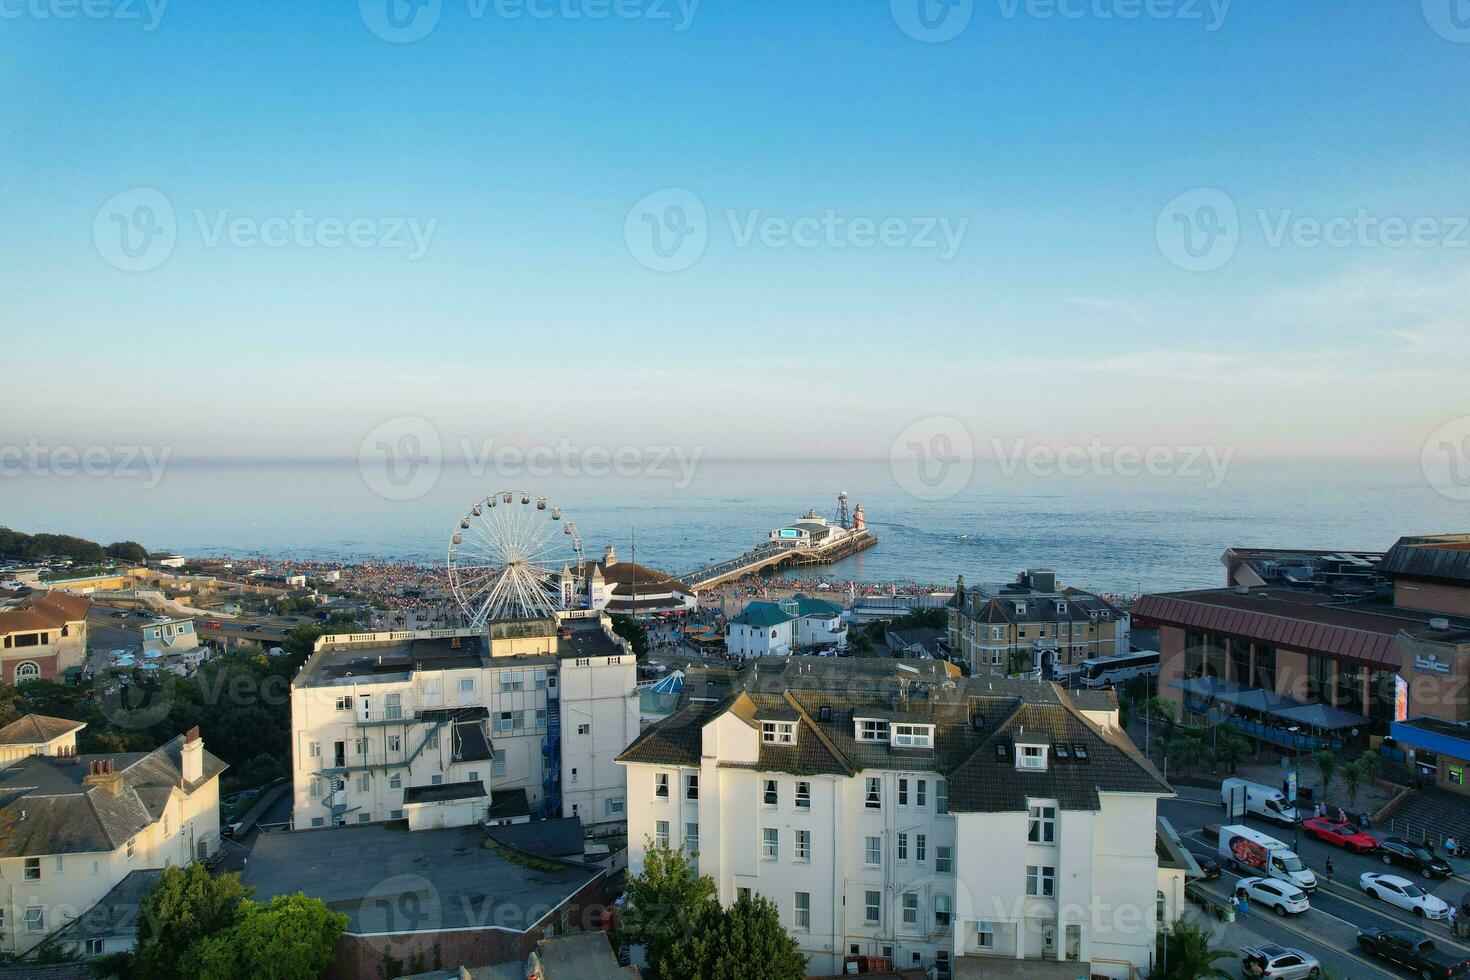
{"points": [[395, 743], [913, 736], [541, 678], [872, 907], [395, 781], [497, 762], [344, 703], [33, 869], [364, 818], [941, 796], [393, 708], [35, 918], [941, 912], [803, 907], [803, 795], [984, 935], [778, 732], [1042, 828], [540, 717], [872, 730], [94, 947], [584, 662], [768, 797], [361, 745], [1159, 907], [661, 833], [803, 845], [395, 814], [574, 774], [921, 848], [314, 750], [873, 851], [873, 795], [613, 807], [691, 786], [770, 843], [584, 729], [436, 780], [742, 892], [911, 909], [316, 789], [661, 785], [941, 963], [466, 685], [691, 837], [363, 782], [1041, 881], [903, 846], [903, 791], [921, 792], [131, 846], [511, 682], [318, 821], [432, 741], [1031, 757]]}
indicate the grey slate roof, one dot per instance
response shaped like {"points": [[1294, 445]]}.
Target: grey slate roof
{"points": [[560, 838], [826, 696], [444, 792], [37, 729], [47, 808], [117, 915]]}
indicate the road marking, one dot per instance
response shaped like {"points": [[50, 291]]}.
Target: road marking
{"points": [[1337, 949]]}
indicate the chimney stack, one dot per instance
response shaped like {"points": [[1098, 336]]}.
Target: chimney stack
{"points": [[103, 773], [191, 757]]}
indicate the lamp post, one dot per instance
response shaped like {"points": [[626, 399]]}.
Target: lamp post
{"points": [[1295, 763]]}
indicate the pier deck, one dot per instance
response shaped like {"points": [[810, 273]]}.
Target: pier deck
{"points": [[775, 555]]}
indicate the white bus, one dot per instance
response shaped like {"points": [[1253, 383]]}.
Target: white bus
{"points": [[1107, 671]]}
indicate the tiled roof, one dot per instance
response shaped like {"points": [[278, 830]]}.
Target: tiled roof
{"points": [[1445, 558], [826, 697], [37, 729], [43, 610], [759, 613], [46, 807]]}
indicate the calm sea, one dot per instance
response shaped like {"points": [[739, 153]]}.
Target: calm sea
{"points": [[1108, 533]]}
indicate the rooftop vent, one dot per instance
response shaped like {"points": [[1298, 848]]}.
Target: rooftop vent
{"points": [[977, 722], [1061, 753], [1002, 751], [1079, 751], [824, 713]]}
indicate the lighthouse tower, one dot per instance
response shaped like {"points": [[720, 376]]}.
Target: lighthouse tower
{"points": [[859, 523]]}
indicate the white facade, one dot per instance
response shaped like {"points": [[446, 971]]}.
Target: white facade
{"points": [[511, 715], [876, 863], [747, 640]]}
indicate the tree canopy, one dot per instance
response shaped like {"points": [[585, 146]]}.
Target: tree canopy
{"points": [[186, 906], [292, 938]]}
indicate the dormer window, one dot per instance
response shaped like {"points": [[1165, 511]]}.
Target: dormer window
{"points": [[1020, 609], [871, 730], [778, 732], [913, 736], [1061, 608], [1030, 756]]}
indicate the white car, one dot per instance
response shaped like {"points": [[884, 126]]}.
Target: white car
{"points": [[1279, 896], [1403, 893]]}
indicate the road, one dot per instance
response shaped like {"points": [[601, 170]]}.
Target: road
{"points": [[1339, 909]]}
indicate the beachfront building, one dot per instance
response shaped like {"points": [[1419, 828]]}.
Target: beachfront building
{"points": [[1308, 649], [1032, 625], [627, 588], [166, 635], [441, 727], [893, 808], [777, 629], [42, 635], [78, 825]]}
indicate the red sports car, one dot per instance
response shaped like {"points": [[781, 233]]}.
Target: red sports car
{"points": [[1344, 835]]}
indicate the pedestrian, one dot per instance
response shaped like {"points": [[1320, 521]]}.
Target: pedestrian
{"points": [[1341, 815], [1330, 869], [1452, 916]]}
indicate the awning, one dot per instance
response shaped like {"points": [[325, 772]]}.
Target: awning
{"points": [[1319, 716]]}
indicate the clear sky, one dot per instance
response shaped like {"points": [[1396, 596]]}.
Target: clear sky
{"points": [[1050, 143]]}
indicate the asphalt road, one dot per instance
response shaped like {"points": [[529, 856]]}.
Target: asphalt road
{"points": [[1328, 930]]}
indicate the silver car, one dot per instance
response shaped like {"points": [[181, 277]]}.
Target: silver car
{"points": [[1278, 962]]}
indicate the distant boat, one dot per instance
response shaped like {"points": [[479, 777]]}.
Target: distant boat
{"points": [[961, 536]]}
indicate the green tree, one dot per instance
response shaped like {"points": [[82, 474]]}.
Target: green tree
{"points": [[186, 906], [1231, 748], [634, 632], [1326, 763], [1370, 764], [128, 551], [1352, 780], [744, 942], [665, 904], [292, 938], [929, 618], [1185, 953]]}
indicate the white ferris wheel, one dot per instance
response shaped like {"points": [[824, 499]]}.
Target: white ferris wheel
{"points": [[506, 556]]}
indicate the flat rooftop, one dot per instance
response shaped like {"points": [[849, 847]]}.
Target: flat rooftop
{"points": [[455, 881], [397, 655]]}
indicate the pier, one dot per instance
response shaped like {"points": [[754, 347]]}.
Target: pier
{"points": [[779, 553]]}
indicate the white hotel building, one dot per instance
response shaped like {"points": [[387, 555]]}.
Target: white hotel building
{"points": [[891, 808], [448, 727]]}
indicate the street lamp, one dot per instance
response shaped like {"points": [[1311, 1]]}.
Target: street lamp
{"points": [[1296, 779]]}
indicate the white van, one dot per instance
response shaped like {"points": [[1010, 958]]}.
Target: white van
{"points": [[1263, 801], [1253, 853]]}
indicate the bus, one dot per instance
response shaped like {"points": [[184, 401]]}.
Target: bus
{"points": [[1107, 671]]}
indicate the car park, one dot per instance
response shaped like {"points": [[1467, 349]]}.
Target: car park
{"points": [[1340, 834], [1280, 897], [1415, 952], [1278, 962], [1416, 857], [1403, 893]]}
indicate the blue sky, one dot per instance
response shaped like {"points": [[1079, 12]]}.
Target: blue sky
{"points": [[519, 145]]}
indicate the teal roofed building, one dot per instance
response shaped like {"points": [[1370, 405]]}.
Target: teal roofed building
{"points": [[777, 629]]}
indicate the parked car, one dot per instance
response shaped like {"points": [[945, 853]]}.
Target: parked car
{"points": [[1208, 866], [1403, 893], [1343, 835], [253, 628], [1407, 854], [212, 624], [1279, 962], [1414, 951], [1279, 896]]}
